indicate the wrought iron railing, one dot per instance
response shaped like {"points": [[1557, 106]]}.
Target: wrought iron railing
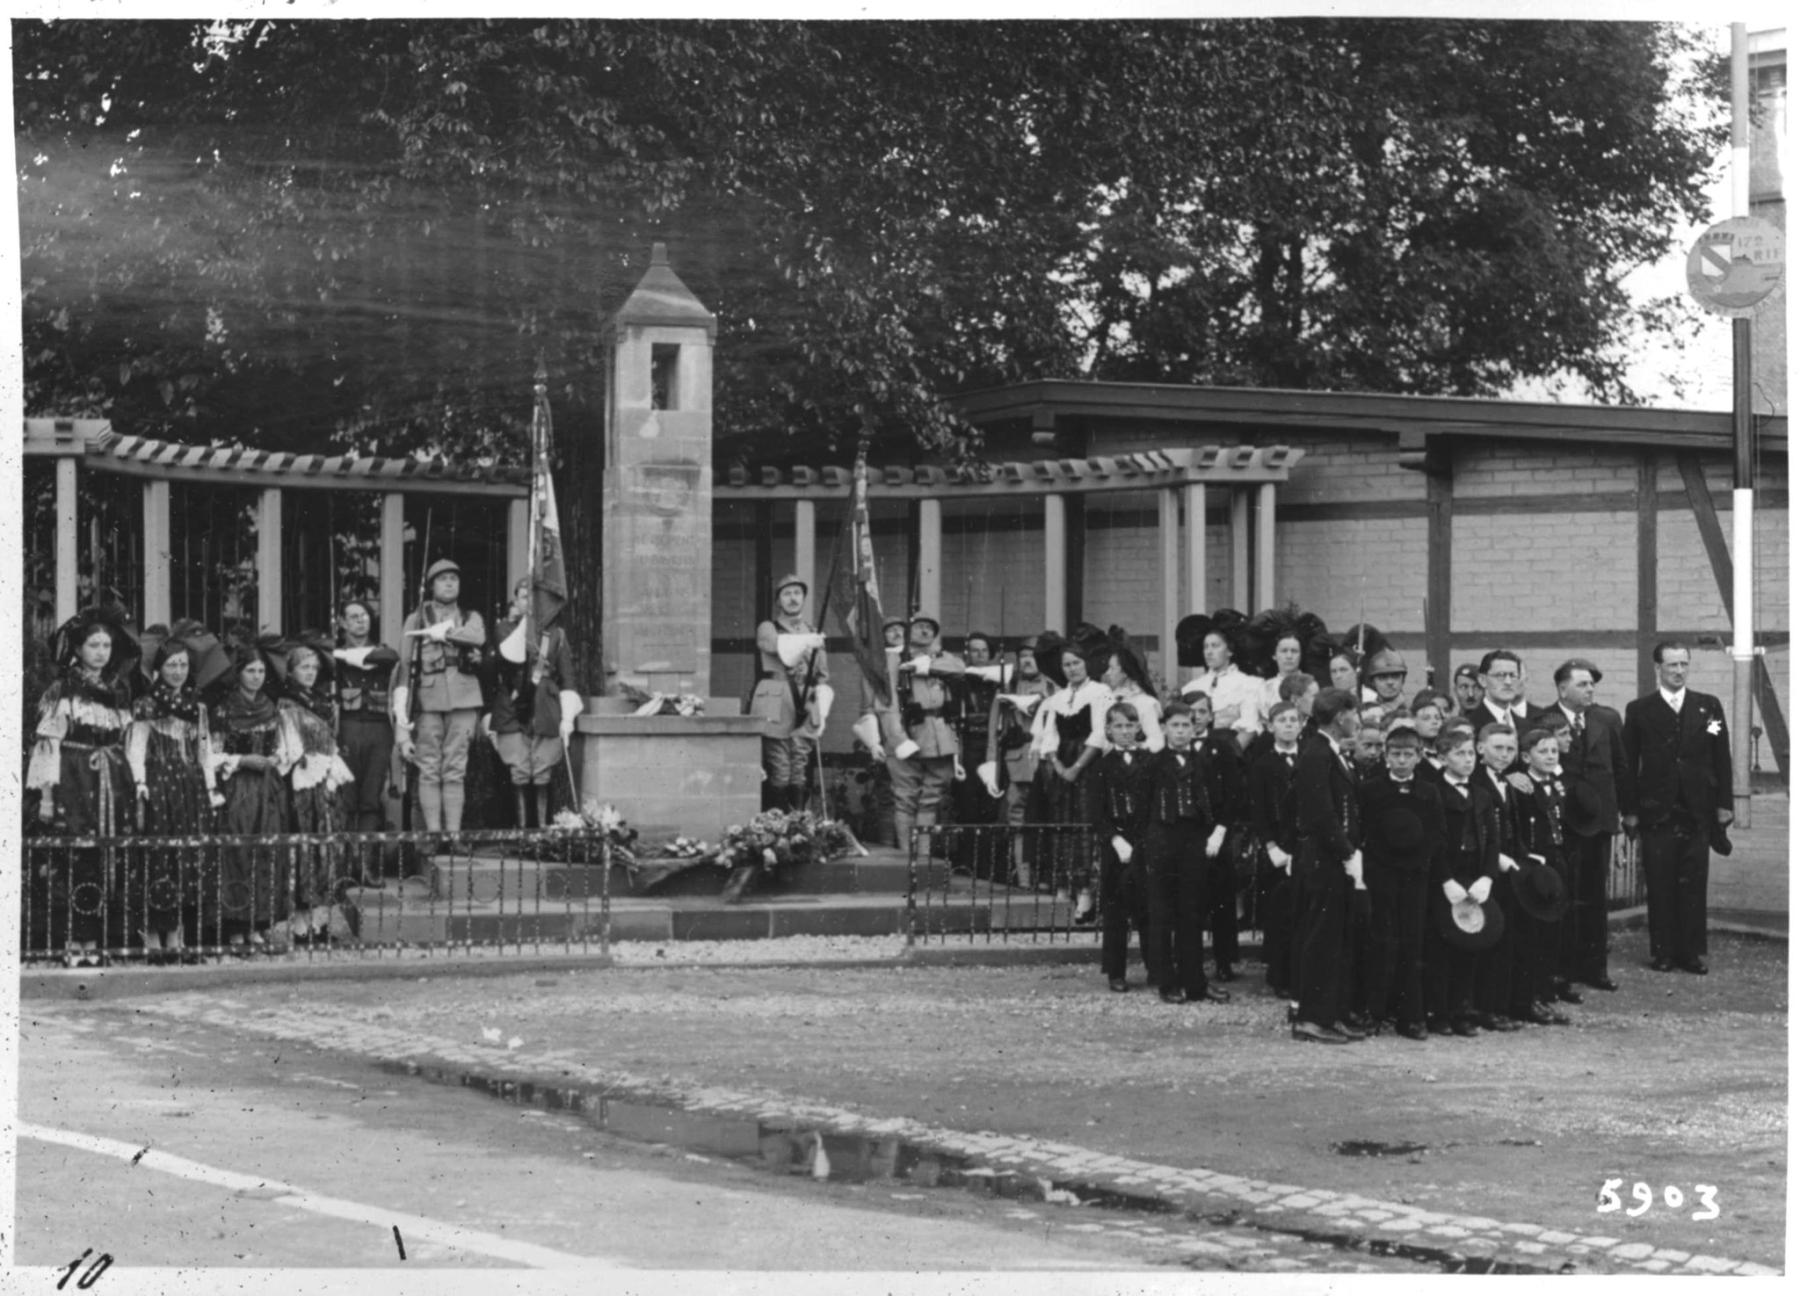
{"points": [[87, 900]]}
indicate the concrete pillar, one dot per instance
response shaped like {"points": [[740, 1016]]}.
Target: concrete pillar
{"points": [[68, 573], [1196, 546], [1265, 548], [1240, 550], [806, 558], [156, 553], [1056, 563], [1168, 535], [394, 594], [268, 561], [931, 556]]}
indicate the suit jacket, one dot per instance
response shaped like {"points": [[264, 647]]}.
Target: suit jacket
{"points": [[1675, 765], [1596, 758], [1544, 827], [1463, 859], [1270, 799], [1479, 716], [1327, 819], [1225, 776], [1180, 788], [1378, 796], [1126, 788], [1498, 821]]}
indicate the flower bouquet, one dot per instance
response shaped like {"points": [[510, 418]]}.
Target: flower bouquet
{"points": [[591, 823], [661, 704], [777, 840]]}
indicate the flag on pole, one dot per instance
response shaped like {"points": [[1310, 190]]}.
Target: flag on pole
{"points": [[549, 582], [853, 594]]}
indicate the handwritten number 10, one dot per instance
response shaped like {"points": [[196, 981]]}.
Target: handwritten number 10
{"points": [[93, 1273]]}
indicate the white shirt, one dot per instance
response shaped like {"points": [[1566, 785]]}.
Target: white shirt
{"points": [[1513, 718], [1673, 699], [1092, 694], [1149, 715], [1231, 687]]}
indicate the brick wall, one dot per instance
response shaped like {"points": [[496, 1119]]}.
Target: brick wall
{"points": [[1351, 569], [1505, 468], [1550, 571]]}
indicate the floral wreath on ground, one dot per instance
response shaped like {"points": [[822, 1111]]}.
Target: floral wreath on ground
{"points": [[778, 839], [591, 821]]}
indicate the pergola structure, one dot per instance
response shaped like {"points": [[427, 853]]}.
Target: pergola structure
{"points": [[1179, 478]]}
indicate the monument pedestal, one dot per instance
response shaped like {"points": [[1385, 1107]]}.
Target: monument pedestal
{"points": [[673, 776]]}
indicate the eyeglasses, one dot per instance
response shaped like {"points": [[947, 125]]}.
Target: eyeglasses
{"points": [[1503, 675]]}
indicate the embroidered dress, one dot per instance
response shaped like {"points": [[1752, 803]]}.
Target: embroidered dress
{"points": [[318, 777], [1066, 723], [254, 880], [79, 760], [169, 751]]}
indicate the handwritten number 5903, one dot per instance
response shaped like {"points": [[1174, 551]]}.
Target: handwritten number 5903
{"points": [[1645, 1197]]}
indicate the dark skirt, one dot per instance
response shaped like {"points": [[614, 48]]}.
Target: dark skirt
{"points": [[177, 806], [255, 879]]}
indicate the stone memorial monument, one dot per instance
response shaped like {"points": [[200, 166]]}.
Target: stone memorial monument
{"points": [[667, 774]]}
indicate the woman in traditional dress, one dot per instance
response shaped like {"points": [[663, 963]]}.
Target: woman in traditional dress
{"points": [[363, 678], [254, 881], [307, 753], [1128, 679], [1236, 696], [169, 750], [1068, 737], [78, 770]]}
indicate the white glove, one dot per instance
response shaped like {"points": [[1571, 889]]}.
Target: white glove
{"points": [[1508, 863], [354, 657], [1278, 857], [1479, 888], [1454, 890], [1354, 867], [868, 731], [957, 771], [438, 630], [1214, 842], [402, 695], [1122, 849], [907, 750], [920, 665], [571, 708], [1537, 859], [989, 774]]}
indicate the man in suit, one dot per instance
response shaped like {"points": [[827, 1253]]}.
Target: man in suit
{"points": [[1503, 693], [1596, 755], [1327, 869], [1675, 786]]}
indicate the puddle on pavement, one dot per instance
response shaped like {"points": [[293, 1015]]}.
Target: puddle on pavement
{"points": [[798, 1149], [1370, 1148]]}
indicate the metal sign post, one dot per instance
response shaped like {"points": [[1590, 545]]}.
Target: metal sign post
{"points": [[1733, 267]]}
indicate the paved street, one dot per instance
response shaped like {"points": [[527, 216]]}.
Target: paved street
{"points": [[1031, 1085], [188, 1144]]}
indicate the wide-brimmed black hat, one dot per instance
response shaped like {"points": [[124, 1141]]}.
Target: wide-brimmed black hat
{"points": [[1540, 892], [207, 656], [1585, 813], [1047, 648], [1471, 925], [1190, 635], [71, 634]]}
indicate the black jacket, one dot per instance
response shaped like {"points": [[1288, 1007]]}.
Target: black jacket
{"points": [[1676, 767]]}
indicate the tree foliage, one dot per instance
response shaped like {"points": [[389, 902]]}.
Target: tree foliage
{"points": [[325, 235]]}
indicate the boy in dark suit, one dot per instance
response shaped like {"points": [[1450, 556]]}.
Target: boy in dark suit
{"points": [[1675, 786], [1449, 971], [1403, 836], [1327, 868], [1183, 838], [1270, 795], [1125, 792], [1500, 984], [1545, 839], [1223, 761]]}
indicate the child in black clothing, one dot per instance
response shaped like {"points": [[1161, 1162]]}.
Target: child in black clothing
{"points": [[1125, 791], [1450, 971], [1403, 835], [1184, 836], [1270, 795], [1223, 762]]}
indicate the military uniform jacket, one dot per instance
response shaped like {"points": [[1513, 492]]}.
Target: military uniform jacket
{"points": [[1005, 724], [1327, 818], [528, 698], [782, 691], [1677, 767], [448, 679], [1127, 786], [1381, 795], [1270, 798], [927, 702]]}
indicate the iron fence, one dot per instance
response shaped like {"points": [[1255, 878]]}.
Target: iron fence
{"points": [[101, 900], [994, 883]]}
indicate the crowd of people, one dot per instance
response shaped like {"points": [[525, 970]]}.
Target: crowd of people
{"points": [[179, 733], [1432, 862]]}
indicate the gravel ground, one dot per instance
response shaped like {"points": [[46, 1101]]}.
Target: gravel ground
{"points": [[1675, 1080]]}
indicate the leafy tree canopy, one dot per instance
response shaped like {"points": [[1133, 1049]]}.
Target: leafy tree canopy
{"points": [[327, 235]]}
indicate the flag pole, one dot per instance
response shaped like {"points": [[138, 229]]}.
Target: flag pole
{"points": [[540, 462]]}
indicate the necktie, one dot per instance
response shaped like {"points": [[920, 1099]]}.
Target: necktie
{"points": [[1580, 722]]}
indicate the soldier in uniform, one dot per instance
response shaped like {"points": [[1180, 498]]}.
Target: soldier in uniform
{"points": [[788, 696], [437, 677], [926, 677]]}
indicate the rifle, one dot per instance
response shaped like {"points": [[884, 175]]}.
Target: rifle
{"points": [[415, 677]]}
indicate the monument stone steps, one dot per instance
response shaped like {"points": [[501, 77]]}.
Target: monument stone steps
{"points": [[493, 873]]}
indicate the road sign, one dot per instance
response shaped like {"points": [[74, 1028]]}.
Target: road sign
{"points": [[1736, 264]]}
